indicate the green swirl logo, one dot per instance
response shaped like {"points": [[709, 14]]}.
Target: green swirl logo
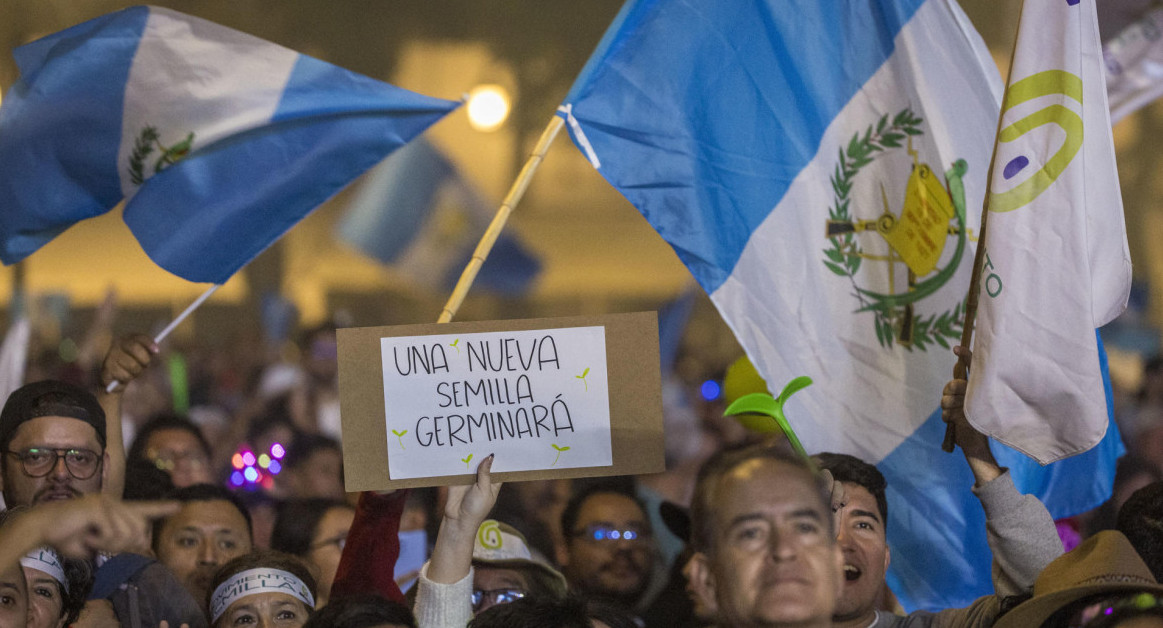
{"points": [[1046, 83], [489, 535]]}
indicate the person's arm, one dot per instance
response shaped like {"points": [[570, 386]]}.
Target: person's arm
{"points": [[444, 587], [80, 527], [126, 359], [1019, 529], [368, 562]]}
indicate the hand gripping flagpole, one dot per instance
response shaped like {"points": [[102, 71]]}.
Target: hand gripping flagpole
{"points": [[173, 325], [498, 223]]}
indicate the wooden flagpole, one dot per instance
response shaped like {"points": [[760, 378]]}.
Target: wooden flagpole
{"points": [[499, 219], [961, 369]]}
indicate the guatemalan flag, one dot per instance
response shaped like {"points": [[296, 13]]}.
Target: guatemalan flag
{"points": [[819, 166], [418, 213], [218, 141]]}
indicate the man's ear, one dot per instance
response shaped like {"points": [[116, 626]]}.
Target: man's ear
{"points": [[105, 470], [887, 556], [701, 577]]}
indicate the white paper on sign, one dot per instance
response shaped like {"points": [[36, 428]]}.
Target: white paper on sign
{"points": [[538, 399]]}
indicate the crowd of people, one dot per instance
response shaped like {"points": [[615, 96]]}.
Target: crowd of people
{"points": [[182, 489]]}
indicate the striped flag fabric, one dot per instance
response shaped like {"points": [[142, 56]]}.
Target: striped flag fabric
{"points": [[819, 166], [418, 213], [219, 142]]}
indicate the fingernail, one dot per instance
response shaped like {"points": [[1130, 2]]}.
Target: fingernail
{"points": [[491, 456]]}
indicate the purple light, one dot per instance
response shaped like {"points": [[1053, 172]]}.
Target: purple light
{"points": [[248, 459], [277, 451], [236, 478], [251, 474], [275, 467]]}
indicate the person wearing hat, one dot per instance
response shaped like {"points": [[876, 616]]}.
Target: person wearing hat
{"points": [[53, 434], [1102, 583], [477, 564], [52, 439]]}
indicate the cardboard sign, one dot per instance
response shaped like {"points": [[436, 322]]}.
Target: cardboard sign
{"points": [[572, 397]]}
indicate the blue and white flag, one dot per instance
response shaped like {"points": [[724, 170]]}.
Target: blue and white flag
{"points": [[819, 166], [219, 141], [417, 213]]}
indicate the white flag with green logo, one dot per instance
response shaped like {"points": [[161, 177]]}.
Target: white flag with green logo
{"points": [[1056, 264]]}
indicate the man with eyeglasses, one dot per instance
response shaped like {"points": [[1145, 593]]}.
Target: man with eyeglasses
{"points": [[53, 439], [609, 550]]}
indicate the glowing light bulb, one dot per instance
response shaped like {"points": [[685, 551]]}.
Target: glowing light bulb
{"points": [[275, 467], [236, 478], [236, 461], [264, 461], [488, 107], [248, 459], [251, 474], [277, 451]]}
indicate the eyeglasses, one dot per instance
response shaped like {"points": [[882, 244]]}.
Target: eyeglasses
{"points": [[40, 461], [607, 532], [493, 597]]}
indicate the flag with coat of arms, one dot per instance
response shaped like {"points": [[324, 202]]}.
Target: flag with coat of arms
{"points": [[218, 141], [818, 165], [1056, 259]]}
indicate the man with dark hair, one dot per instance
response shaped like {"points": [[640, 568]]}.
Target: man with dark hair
{"points": [[608, 552], [52, 444], [212, 528], [765, 547], [861, 534], [313, 467], [1141, 521], [174, 444], [1019, 529]]}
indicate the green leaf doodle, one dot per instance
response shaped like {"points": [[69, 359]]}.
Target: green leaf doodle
{"points": [[582, 377], [399, 437], [559, 450]]}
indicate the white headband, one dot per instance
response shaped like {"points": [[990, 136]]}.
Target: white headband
{"points": [[46, 560], [253, 581]]}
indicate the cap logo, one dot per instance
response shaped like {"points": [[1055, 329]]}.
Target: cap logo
{"points": [[489, 535]]}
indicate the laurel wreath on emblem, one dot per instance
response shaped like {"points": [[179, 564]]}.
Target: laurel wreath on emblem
{"points": [[845, 256], [144, 145]]}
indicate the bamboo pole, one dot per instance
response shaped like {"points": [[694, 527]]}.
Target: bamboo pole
{"points": [[498, 223]]}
